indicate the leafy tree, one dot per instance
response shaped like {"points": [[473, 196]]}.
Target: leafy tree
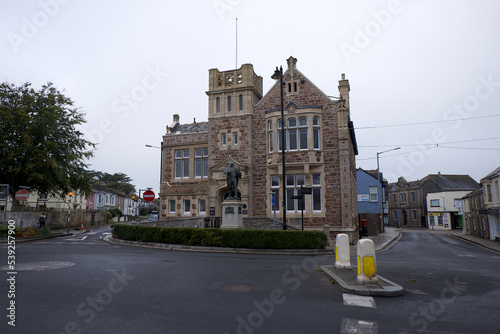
{"points": [[40, 146], [116, 181]]}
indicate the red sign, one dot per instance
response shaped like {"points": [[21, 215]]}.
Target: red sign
{"points": [[148, 195], [22, 195]]}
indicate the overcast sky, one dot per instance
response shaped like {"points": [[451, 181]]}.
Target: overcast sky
{"points": [[131, 65]]}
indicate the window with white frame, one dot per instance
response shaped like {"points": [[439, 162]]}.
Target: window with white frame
{"points": [[373, 194], [201, 162], [316, 192], [316, 133], [271, 134], [435, 203], [488, 193], [292, 134], [181, 164], [414, 215], [171, 206], [223, 139], [187, 206], [303, 133], [202, 207], [235, 138], [293, 185], [280, 137]]}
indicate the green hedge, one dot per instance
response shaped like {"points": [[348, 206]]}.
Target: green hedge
{"points": [[213, 237]]}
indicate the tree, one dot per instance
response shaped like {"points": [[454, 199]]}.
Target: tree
{"points": [[116, 181], [40, 146]]}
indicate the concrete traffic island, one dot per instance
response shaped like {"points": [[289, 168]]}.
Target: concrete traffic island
{"points": [[363, 281]]}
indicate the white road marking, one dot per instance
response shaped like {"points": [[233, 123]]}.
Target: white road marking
{"points": [[355, 326], [355, 300], [77, 239]]}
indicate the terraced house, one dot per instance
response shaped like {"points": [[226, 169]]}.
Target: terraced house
{"points": [[245, 127]]}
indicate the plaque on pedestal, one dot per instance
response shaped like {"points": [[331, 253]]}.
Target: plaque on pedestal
{"points": [[232, 214]]}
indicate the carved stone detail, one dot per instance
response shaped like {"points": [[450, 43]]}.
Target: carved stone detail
{"points": [[229, 79]]}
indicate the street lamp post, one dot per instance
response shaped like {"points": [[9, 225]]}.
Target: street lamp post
{"points": [[161, 162], [379, 189], [278, 74], [69, 211]]}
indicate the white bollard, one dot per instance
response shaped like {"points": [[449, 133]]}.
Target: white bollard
{"points": [[342, 252], [367, 267]]}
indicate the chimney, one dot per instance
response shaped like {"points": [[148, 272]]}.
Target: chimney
{"points": [[344, 89]]}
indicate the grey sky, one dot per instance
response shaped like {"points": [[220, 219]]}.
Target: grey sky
{"points": [[131, 65]]}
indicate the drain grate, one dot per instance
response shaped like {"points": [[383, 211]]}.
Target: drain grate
{"points": [[237, 288]]}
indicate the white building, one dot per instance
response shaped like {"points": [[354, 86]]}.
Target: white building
{"points": [[444, 209]]}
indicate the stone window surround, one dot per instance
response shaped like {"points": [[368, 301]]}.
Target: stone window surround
{"points": [[229, 139], [192, 158], [276, 118], [308, 198]]}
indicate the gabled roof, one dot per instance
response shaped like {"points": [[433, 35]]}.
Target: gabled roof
{"points": [[453, 182], [491, 175]]}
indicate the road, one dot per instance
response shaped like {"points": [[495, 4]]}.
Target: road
{"points": [[81, 284]]}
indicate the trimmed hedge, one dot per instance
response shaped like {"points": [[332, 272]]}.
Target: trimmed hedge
{"points": [[214, 237]]}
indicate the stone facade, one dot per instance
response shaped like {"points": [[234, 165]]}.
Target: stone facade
{"points": [[244, 127], [406, 204], [407, 199]]}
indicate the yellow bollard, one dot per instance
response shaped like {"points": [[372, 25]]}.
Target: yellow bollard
{"points": [[342, 252], [367, 267]]}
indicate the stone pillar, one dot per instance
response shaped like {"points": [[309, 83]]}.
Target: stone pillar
{"points": [[232, 216]]}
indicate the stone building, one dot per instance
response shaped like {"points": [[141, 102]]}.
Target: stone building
{"points": [[408, 199], [406, 203], [475, 221], [244, 127]]}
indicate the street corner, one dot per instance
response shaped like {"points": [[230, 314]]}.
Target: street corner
{"points": [[345, 279]]}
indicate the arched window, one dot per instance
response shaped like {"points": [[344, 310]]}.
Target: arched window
{"points": [[292, 134], [241, 102], [217, 105], [229, 103], [303, 133], [316, 133]]}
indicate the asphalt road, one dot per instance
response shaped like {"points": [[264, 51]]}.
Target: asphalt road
{"points": [[81, 284]]}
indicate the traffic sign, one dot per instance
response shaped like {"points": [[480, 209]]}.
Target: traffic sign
{"points": [[148, 195], [22, 195]]}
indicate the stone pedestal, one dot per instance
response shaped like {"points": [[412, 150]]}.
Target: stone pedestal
{"points": [[232, 216]]}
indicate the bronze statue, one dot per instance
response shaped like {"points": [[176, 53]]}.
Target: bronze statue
{"points": [[233, 175]]}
